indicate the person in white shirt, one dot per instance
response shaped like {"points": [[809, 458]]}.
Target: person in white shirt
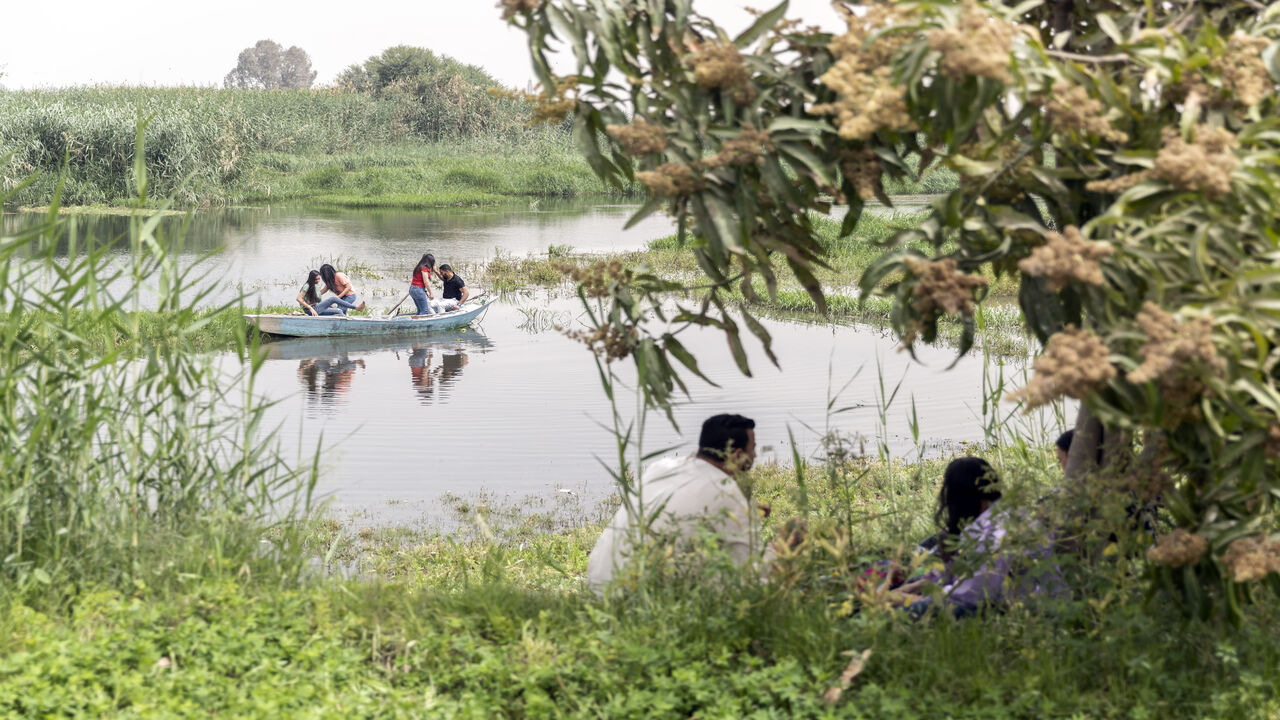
{"points": [[690, 495]]}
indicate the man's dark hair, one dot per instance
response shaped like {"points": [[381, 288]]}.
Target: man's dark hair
{"points": [[723, 433], [446, 266], [1064, 440]]}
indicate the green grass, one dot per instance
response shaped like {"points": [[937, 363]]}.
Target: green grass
{"points": [[208, 147], [452, 174], [489, 619]]}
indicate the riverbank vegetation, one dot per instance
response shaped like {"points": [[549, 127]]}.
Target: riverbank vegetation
{"points": [[408, 128], [162, 559]]}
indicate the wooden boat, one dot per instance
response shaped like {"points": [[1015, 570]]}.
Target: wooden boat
{"points": [[355, 325]]}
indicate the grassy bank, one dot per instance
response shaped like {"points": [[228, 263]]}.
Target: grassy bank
{"points": [[489, 619], [207, 147], [472, 172]]}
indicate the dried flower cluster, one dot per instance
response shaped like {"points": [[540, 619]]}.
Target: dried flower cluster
{"points": [[978, 45], [607, 342], [1252, 558], [745, 149], [1204, 165], [511, 7], [1242, 69], [552, 107], [862, 76], [1074, 364], [720, 66], [1072, 110], [864, 172], [1177, 355], [1178, 548], [940, 288], [1067, 257], [597, 279], [639, 138], [671, 180]]}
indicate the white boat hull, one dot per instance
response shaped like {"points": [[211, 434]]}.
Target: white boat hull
{"points": [[348, 326]]}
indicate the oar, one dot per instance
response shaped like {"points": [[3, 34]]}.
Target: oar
{"points": [[396, 306]]}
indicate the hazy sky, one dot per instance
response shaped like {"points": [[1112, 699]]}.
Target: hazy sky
{"points": [[196, 43]]}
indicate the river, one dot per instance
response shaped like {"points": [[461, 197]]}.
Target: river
{"points": [[512, 406]]}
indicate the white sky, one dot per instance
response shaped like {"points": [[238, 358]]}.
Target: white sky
{"points": [[146, 42]]}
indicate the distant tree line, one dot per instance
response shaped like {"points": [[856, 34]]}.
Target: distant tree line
{"points": [[437, 96]]}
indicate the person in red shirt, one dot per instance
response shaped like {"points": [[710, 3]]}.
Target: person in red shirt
{"points": [[420, 284]]}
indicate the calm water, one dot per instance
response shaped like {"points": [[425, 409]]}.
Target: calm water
{"points": [[512, 406], [265, 253]]}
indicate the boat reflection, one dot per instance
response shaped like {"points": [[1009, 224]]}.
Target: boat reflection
{"points": [[327, 367]]}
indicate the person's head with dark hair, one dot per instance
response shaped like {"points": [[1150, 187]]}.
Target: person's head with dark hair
{"points": [[330, 276], [968, 489], [446, 271], [728, 442], [427, 261], [309, 291], [1063, 446]]}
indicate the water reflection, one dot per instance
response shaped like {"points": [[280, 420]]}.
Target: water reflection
{"points": [[328, 367]]}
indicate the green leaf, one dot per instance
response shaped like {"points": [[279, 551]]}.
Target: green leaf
{"points": [[762, 25]]}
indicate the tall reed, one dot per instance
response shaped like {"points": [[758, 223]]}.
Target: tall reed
{"points": [[136, 465]]}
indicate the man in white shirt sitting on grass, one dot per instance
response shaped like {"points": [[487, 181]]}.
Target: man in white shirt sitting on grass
{"points": [[690, 495]]}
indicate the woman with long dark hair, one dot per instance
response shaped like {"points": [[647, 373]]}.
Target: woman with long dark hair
{"points": [[420, 284], [339, 284], [970, 520], [308, 298]]}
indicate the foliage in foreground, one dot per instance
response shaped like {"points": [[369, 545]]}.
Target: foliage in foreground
{"points": [[489, 619], [1150, 273]]}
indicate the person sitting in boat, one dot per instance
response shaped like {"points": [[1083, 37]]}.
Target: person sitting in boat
{"points": [[308, 298], [345, 297], [455, 288], [420, 284]]}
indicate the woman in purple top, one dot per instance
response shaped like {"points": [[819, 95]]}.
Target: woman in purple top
{"points": [[967, 514]]}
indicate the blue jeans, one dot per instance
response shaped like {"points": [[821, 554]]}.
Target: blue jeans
{"points": [[420, 299], [336, 306]]}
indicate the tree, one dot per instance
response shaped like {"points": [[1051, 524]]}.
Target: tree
{"points": [[449, 98], [1119, 160], [268, 66]]}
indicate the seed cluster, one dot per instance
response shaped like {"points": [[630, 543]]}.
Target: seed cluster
{"points": [[596, 279], [978, 45], [639, 138], [511, 7], [1177, 356], [1074, 364], [1067, 257], [862, 77], [1070, 109], [1203, 165], [1178, 548], [1243, 71], [720, 66], [671, 180], [607, 341], [863, 170], [745, 149], [1252, 558], [940, 288]]}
